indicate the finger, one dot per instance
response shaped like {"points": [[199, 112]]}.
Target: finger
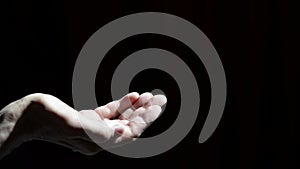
{"points": [[145, 116], [151, 113], [137, 126], [122, 131], [129, 129], [114, 108], [126, 114], [103, 112], [120, 128], [159, 100], [143, 99], [133, 114], [131, 132], [139, 120], [127, 101], [125, 135]]}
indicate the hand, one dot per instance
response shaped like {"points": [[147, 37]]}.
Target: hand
{"points": [[45, 117]]}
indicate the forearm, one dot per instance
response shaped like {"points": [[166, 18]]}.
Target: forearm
{"points": [[8, 139], [11, 134]]}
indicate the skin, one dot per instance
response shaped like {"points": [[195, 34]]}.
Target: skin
{"points": [[44, 117]]}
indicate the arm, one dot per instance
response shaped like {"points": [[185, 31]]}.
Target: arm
{"points": [[45, 117]]}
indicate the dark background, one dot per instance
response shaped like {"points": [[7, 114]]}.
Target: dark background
{"points": [[256, 41]]}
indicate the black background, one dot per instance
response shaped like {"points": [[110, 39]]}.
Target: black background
{"points": [[256, 41]]}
